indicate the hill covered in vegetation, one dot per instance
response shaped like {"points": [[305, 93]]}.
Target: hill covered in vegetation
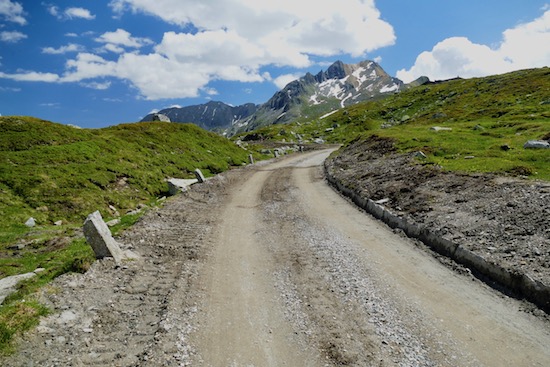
{"points": [[488, 118], [54, 172]]}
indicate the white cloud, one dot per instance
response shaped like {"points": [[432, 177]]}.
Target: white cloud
{"points": [[97, 85], [525, 46], [236, 38], [88, 66], [71, 34], [12, 37], [115, 40], [12, 12], [282, 80], [79, 13], [69, 13], [31, 76], [71, 47], [232, 40], [210, 91]]}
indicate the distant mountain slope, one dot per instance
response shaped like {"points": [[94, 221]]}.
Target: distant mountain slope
{"points": [[308, 97], [209, 116]]}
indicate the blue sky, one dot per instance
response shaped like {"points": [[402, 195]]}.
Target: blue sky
{"points": [[99, 63]]}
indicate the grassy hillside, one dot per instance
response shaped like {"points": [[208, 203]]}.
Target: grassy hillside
{"points": [[55, 172], [491, 118]]}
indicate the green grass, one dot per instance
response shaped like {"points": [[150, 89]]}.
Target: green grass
{"points": [[54, 172]]}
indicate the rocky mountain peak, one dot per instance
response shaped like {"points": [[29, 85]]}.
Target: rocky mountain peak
{"points": [[338, 86]]}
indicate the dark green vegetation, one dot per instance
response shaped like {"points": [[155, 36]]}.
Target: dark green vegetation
{"points": [[491, 118], [53, 172]]}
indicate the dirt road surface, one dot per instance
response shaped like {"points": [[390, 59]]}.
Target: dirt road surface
{"points": [[268, 266]]}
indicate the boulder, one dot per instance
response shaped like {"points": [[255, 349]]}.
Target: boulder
{"points": [[99, 236], [537, 144], [30, 222], [161, 117]]}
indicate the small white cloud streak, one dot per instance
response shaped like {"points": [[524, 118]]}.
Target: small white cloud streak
{"points": [[97, 85], [524, 46], [31, 76], [12, 12], [72, 47], [12, 37]]}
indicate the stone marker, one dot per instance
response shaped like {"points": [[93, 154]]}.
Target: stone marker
{"points": [[251, 159], [199, 176], [30, 222], [99, 237]]}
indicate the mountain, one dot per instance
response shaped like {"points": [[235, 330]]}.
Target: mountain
{"points": [[308, 97], [313, 95], [209, 116]]}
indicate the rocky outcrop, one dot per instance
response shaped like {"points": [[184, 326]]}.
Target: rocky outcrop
{"points": [[160, 117]]}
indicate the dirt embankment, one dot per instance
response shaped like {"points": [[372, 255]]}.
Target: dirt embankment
{"points": [[503, 222]]}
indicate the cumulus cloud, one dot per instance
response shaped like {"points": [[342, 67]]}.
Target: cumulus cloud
{"points": [[12, 37], [69, 13], [282, 80], [524, 46], [71, 47], [115, 41], [231, 40], [12, 12], [79, 13], [236, 38]]}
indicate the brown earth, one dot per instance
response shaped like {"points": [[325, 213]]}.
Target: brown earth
{"points": [[506, 220], [268, 266]]}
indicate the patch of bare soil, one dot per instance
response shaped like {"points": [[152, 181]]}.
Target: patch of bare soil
{"points": [[505, 220]]}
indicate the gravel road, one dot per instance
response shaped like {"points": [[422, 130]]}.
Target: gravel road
{"points": [[268, 266]]}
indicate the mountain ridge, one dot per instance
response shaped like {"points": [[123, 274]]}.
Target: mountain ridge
{"points": [[309, 96]]}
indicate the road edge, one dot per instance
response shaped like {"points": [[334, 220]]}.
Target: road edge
{"points": [[521, 284]]}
